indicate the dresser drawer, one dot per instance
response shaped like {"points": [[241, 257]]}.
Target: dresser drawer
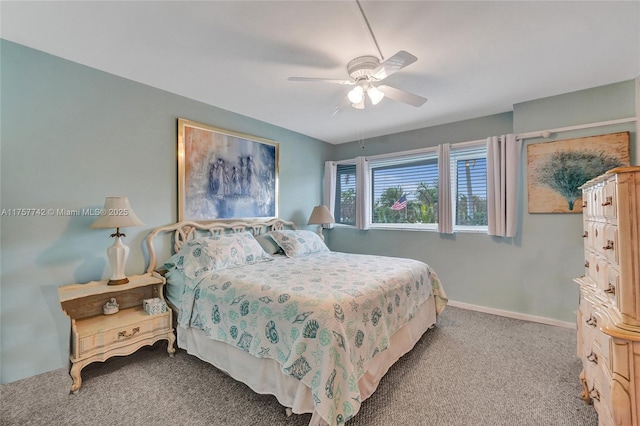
{"points": [[129, 325], [600, 395], [609, 243], [589, 235], [609, 200]]}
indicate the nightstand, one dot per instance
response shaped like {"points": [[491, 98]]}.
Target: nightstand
{"points": [[97, 337]]}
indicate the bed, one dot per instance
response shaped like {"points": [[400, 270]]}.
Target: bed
{"points": [[273, 307]]}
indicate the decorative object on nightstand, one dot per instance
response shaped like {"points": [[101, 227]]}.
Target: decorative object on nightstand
{"points": [[154, 306], [320, 216], [117, 214], [97, 337], [111, 307]]}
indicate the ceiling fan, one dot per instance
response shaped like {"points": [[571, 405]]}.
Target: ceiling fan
{"points": [[365, 72]]}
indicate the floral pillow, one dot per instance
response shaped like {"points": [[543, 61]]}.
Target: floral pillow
{"points": [[204, 255], [298, 243]]}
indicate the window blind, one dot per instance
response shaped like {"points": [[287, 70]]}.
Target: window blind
{"points": [[469, 185]]}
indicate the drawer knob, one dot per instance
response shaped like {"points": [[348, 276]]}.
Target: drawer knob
{"points": [[586, 234], [608, 201], [592, 358], [592, 321], [593, 393], [584, 205], [124, 334], [609, 245], [611, 289], [586, 263]]}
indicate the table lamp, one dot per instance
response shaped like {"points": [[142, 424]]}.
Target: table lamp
{"points": [[117, 214], [320, 216]]}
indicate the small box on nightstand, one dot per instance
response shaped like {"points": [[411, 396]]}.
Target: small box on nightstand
{"points": [[154, 306]]}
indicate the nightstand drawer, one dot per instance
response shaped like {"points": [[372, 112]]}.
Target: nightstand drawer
{"points": [[126, 327]]}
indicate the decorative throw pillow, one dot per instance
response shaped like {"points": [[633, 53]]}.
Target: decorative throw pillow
{"points": [[204, 255], [298, 243]]}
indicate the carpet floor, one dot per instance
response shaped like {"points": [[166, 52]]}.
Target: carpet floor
{"points": [[471, 369]]}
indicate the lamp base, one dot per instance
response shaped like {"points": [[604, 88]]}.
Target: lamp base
{"points": [[118, 254], [118, 282]]}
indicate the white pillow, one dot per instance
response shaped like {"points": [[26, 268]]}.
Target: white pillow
{"points": [[298, 243], [224, 251]]}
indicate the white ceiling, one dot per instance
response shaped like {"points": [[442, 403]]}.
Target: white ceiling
{"points": [[475, 58]]}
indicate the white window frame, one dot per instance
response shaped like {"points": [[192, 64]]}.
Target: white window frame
{"points": [[399, 158], [455, 157]]}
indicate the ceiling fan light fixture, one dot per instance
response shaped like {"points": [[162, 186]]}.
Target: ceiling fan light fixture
{"points": [[375, 94], [356, 95], [358, 105]]}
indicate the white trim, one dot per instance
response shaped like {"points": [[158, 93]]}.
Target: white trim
{"points": [[510, 314]]}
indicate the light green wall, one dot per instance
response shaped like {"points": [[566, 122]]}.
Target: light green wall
{"points": [[72, 135], [532, 273]]}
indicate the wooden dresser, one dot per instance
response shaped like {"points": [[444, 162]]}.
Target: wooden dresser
{"points": [[609, 313]]}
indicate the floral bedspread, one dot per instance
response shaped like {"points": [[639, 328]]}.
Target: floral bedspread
{"points": [[323, 317]]}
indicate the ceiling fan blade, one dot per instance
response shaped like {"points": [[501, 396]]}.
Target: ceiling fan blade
{"points": [[321, 80], [341, 106], [393, 64], [402, 96]]}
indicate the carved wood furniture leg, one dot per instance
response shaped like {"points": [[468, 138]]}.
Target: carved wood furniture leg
{"points": [[76, 368], [171, 346]]}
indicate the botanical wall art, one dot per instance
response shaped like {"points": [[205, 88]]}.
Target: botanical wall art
{"points": [[557, 169], [224, 174]]}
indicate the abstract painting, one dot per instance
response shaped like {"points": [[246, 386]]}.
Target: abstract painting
{"points": [[224, 175], [557, 169]]}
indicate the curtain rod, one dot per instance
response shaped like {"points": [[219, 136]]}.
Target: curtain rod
{"points": [[547, 133], [520, 136]]}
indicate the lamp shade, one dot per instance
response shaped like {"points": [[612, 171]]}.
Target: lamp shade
{"points": [[117, 213], [320, 216]]}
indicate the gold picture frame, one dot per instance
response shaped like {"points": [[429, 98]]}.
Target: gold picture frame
{"points": [[224, 174]]}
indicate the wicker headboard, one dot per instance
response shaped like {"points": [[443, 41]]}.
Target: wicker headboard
{"points": [[186, 231]]}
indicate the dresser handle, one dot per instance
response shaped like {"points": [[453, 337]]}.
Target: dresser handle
{"points": [[609, 245], [592, 358], [586, 263], [124, 334], [592, 321], [586, 234], [608, 201], [584, 205], [611, 289], [593, 393]]}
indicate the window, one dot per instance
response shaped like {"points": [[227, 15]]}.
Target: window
{"points": [[405, 190], [345, 202], [469, 186]]}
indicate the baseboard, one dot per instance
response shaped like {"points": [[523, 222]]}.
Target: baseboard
{"points": [[509, 314]]}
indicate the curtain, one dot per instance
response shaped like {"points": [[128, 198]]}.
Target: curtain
{"points": [[329, 195], [503, 171], [445, 217], [363, 192]]}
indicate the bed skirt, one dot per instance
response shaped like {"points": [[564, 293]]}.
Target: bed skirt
{"points": [[265, 376]]}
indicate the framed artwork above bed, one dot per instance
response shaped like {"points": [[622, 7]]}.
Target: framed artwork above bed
{"points": [[224, 174]]}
